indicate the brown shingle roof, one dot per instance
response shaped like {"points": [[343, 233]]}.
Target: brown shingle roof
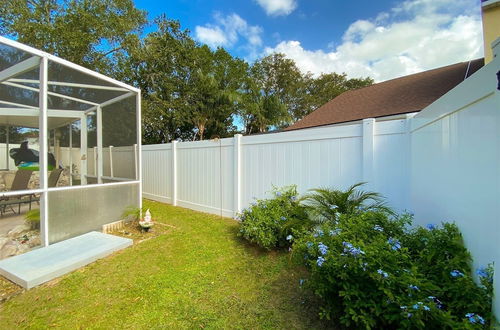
{"points": [[397, 96]]}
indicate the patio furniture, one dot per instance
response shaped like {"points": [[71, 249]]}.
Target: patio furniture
{"points": [[52, 182], [54, 177], [20, 182]]}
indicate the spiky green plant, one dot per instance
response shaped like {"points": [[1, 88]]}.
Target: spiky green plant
{"points": [[324, 204], [32, 217], [131, 213]]}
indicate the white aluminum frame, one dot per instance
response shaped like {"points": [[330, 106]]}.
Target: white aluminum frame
{"points": [[41, 59]]}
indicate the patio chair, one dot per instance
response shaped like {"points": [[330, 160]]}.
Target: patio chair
{"points": [[52, 182], [20, 182], [54, 177]]}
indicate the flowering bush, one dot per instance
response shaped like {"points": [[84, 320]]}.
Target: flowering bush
{"points": [[372, 272], [274, 222]]}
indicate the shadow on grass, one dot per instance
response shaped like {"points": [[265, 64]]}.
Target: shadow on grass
{"points": [[297, 304]]}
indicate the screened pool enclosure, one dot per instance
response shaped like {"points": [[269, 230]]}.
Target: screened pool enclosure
{"points": [[69, 143]]}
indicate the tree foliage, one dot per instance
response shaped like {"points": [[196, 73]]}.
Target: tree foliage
{"points": [[86, 32], [190, 92]]}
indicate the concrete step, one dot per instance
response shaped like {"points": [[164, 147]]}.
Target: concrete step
{"points": [[44, 264]]}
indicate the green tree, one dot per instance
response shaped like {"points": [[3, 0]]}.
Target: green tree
{"points": [[330, 85], [213, 92], [280, 77], [190, 92], [260, 112], [87, 32]]}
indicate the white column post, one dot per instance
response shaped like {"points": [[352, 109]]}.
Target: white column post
{"points": [[111, 161], [138, 164], [83, 150], [368, 144], [44, 205], [136, 161], [237, 174], [7, 165], [174, 173], [100, 163], [94, 150], [70, 161]]}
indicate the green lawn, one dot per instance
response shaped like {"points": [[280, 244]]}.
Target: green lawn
{"points": [[197, 275]]}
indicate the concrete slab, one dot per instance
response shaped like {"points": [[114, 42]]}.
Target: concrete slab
{"points": [[44, 264]]}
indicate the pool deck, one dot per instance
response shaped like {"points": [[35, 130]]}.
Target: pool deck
{"points": [[44, 264]]}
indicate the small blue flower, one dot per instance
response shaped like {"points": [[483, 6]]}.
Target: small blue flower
{"points": [[413, 287], [431, 297], [482, 272], [384, 274], [289, 237], [318, 232], [293, 198], [364, 265], [409, 315], [283, 218], [309, 245], [416, 306], [333, 207], [320, 261], [403, 307], [347, 245], [323, 249], [431, 226], [378, 228], [456, 273], [264, 206], [301, 281], [394, 243], [427, 308], [474, 318]]}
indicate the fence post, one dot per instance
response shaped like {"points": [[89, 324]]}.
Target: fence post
{"points": [[368, 137], [237, 175], [174, 173], [111, 172]]}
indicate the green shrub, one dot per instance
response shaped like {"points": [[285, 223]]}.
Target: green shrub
{"points": [[440, 255], [325, 204], [269, 222], [368, 274]]}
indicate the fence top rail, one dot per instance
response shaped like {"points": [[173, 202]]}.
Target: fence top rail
{"points": [[215, 143], [151, 147], [320, 133], [482, 84]]}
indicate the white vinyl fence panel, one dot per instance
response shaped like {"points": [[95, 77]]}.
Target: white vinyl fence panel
{"points": [[224, 176], [157, 165]]}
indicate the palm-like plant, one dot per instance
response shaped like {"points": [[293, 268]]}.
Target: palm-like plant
{"points": [[324, 204]]}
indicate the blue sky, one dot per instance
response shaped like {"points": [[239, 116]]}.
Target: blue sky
{"points": [[382, 39]]}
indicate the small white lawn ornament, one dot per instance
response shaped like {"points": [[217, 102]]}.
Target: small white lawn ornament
{"points": [[146, 222]]}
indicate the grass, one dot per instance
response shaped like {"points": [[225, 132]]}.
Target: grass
{"points": [[196, 275]]}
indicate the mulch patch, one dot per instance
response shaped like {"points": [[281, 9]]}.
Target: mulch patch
{"points": [[134, 231]]}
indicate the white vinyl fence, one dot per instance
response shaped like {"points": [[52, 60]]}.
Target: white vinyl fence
{"points": [[224, 176], [443, 164]]}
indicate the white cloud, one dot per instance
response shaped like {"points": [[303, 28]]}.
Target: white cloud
{"points": [[278, 7], [228, 31], [212, 36], [416, 35]]}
